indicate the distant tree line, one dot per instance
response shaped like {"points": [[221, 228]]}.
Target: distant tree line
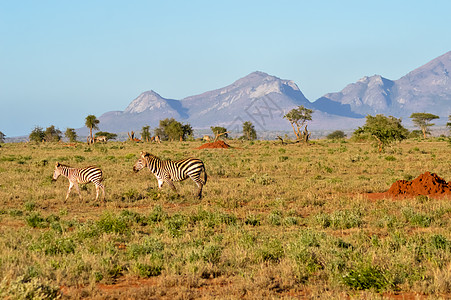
{"points": [[380, 129]]}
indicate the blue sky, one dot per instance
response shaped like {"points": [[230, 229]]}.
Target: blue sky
{"points": [[63, 60]]}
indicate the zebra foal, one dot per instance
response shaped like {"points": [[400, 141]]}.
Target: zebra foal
{"points": [[169, 171], [83, 175]]}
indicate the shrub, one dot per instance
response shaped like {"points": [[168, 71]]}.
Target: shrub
{"points": [[36, 221], [175, 225], [337, 134], [272, 250], [109, 223], [366, 277], [149, 246], [145, 270], [26, 288]]}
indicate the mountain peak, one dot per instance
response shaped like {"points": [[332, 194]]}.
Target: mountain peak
{"points": [[146, 101]]}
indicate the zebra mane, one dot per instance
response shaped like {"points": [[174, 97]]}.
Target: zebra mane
{"points": [[61, 165], [147, 154]]}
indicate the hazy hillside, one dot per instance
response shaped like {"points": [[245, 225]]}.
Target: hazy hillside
{"points": [[425, 89]]}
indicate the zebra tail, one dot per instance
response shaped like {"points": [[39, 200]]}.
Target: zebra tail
{"points": [[205, 176]]}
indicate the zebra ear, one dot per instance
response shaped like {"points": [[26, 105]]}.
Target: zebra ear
{"points": [[144, 153], [57, 164]]}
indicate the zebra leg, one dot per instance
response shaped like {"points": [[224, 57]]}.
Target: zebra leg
{"points": [[103, 192], [171, 184], [71, 185], [78, 190], [160, 183], [199, 190], [97, 191]]}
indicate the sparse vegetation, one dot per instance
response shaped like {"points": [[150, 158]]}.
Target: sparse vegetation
{"points": [[275, 222]]}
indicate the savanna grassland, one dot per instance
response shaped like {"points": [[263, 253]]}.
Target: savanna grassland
{"points": [[275, 221]]}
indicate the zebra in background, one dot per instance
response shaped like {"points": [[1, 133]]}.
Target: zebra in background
{"points": [[100, 138], [169, 171], [83, 175]]}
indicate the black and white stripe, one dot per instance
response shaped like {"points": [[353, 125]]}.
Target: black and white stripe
{"points": [[83, 175], [169, 171]]}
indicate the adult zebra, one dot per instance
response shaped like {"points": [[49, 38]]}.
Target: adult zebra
{"points": [[169, 171], [76, 176]]}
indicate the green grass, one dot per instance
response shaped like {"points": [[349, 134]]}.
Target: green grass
{"points": [[274, 222]]}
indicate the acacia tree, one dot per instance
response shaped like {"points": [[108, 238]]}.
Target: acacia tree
{"points": [[218, 130], [2, 137], [52, 134], [422, 121], [298, 117], [71, 135], [91, 122], [337, 134], [384, 130], [37, 135], [108, 135], [170, 129], [249, 132], [145, 133]]}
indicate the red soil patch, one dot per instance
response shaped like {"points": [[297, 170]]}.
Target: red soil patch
{"points": [[214, 145], [427, 184]]}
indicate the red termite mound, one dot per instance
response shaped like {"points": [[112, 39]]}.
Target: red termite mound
{"points": [[425, 184], [215, 145]]}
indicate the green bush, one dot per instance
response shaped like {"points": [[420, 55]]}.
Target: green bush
{"points": [[271, 250], [25, 288], [110, 223], [365, 278]]}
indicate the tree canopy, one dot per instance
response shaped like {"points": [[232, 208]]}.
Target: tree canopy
{"points": [[2, 137], [37, 135], [298, 117], [422, 121], [337, 134], [249, 132], [108, 135], [218, 130], [91, 122], [71, 135], [52, 134], [145, 133], [170, 129], [384, 130]]}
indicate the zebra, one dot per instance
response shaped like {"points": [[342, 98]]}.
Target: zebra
{"points": [[76, 176], [155, 139], [169, 171], [100, 138]]}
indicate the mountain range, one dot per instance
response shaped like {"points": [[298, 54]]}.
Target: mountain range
{"points": [[264, 99]]}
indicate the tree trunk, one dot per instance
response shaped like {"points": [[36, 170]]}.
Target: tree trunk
{"points": [[295, 133]]}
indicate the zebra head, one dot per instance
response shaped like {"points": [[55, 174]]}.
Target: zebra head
{"points": [[57, 171], [142, 162]]}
